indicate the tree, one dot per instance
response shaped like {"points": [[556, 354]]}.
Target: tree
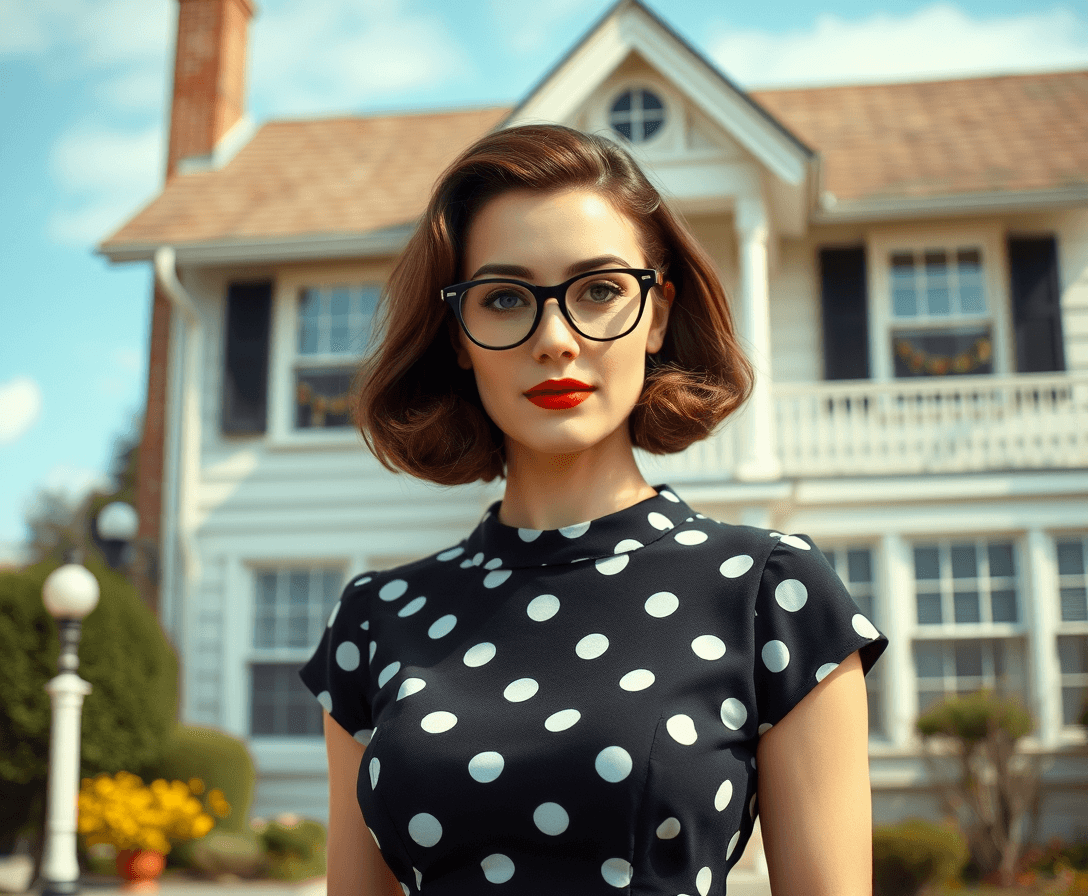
{"points": [[994, 790]]}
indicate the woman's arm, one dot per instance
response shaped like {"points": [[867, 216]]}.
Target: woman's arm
{"points": [[355, 866], [815, 804]]}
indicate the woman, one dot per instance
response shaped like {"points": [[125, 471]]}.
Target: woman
{"points": [[576, 698]]}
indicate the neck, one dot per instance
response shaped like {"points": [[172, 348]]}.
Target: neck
{"points": [[549, 491]]}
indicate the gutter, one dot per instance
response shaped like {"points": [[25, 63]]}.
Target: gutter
{"points": [[182, 455]]}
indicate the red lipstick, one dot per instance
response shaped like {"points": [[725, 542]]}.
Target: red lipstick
{"points": [[558, 395]]}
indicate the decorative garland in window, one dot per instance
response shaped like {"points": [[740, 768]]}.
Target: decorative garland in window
{"points": [[918, 360]]}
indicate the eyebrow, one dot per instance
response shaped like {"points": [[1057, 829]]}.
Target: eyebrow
{"points": [[523, 273]]}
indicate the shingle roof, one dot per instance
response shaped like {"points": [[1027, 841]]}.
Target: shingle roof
{"points": [[344, 176], [940, 138]]}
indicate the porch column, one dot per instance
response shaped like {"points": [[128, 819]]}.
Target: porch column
{"points": [[758, 453], [1041, 580]]}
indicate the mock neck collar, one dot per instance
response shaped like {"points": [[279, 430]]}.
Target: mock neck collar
{"points": [[494, 545]]}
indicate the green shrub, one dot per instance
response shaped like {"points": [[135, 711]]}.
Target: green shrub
{"points": [[295, 849], [972, 718], [240, 853], [130, 665], [218, 759], [914, 854]]}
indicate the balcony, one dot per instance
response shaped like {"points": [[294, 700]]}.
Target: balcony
{"points": [[905, 427]]}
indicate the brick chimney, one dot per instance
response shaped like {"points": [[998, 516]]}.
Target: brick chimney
{"points": [[209, 76]]}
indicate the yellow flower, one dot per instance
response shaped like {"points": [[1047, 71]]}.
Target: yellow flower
{"points": [[196, 786]]}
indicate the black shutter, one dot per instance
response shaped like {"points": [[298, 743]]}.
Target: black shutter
{"points": [[846, 313], [1036, 304], [245, 368]]}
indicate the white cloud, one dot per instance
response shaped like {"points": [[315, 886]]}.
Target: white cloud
{"points": [[530, 27], [936, 41], [20, 405]]}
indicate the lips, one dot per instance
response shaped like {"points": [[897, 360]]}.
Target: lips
{"points": [[556, 395]]}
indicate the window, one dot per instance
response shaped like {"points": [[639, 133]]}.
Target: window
{"points": [[333, 328], [940, 316], [1073, 642], [967, 606], [637, 115], [854, 565], [291, 607]]}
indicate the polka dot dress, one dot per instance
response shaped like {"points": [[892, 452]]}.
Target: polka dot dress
{"points": [[578, 710]]}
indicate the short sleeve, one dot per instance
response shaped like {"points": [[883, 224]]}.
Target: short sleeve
{"points": [[338, 672], [806, 623]]}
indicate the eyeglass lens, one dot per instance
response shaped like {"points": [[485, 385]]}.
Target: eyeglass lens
{"points": [[601, 306]]}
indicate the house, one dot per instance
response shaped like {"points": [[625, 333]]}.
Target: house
{"points": [[909, 264]]}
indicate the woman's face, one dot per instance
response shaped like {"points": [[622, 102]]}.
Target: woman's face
{"points": [[544, 239]]}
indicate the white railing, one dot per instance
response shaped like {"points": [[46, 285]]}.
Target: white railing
{"points": [[946, 425]]}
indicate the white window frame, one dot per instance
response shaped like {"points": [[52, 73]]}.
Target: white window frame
{"points": [[1078, 628], [885, 242]]}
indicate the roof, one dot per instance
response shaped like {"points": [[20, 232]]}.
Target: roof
{"points": [[940, 138], [306, 178]]}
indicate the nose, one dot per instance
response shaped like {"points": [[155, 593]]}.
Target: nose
{"points": [[554, 337]]}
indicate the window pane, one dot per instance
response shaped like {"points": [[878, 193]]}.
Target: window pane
{"points": [[968, 659], [926, 699], [964, 561], [927, 563], [972, 294], [1070, 558], [1074, 605], [1003, 606], [859, 563], [904, 298], [650, 100], [929, 660], [929, 609], [322, 398], [339, 330], [280, 703], [1000, 556], [623, 102], [938, 297], [651, 126], [368, 307], [309, 322], [966, 607], [955, 351], [1073, 654], [1073, 699]]}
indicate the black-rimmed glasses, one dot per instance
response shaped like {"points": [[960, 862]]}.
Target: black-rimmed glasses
{"points": [[599, 305]]}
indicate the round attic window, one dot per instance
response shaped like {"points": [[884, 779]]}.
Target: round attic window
{"points": [[637, 115]]}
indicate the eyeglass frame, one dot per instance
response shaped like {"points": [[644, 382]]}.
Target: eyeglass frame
{"points": [[452, 296]]}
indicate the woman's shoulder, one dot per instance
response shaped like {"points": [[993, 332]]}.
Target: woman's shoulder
{"points": [[390, 583]]}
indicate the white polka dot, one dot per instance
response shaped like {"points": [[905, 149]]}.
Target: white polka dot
{"points": [[724, 795], [591, 646], [413, 606], [373, 649], [659, 521], [404, 886], [375, 770], [375, 836], [494, 563], [617, 872], [438, 722], [703, 879], [419, 878], [562, 720], [498, 869], [682, 729], [791, 594], [825, 670], [733, 841], [575, 531], [543, 608], [410, 686], [442, 626], [365, 625], [794, 542], [662, 604], [479, 655], [609, 566], [551, 819], [613, 764], [665, 493], [333, 615], [387, 673], [392, 590], [776, 656], [864, 627], [465, 564], [496, 577], [737, 566], [347, 656], [669, 828], [424, 829], [734, 715], [521, 690], [528, 534], [752, 807], [325, 699], [486, 767], [451, 553], [708, 647], [637, 680], [477, 559], [765, 727], [690, 536], [363, 736], [627, 545]]}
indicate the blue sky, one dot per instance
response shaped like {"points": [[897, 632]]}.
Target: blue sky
{"points": [[83, 91]]}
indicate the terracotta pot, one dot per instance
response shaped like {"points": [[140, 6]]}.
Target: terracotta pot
{"points": [[140, 869]]}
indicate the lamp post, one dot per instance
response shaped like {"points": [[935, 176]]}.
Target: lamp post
{"points": [[69, 594], [115, 527]]}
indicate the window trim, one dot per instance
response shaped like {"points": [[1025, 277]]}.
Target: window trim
{"points": [[883, 242], [1064, 628]]}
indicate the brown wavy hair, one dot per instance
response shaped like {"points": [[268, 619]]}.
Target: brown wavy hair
{"points": [[420, 413]]}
